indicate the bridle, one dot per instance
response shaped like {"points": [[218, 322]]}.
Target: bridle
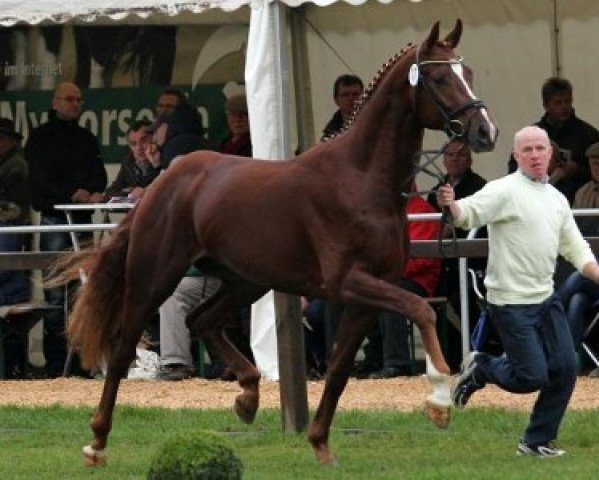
{"points": [[453, 127]]}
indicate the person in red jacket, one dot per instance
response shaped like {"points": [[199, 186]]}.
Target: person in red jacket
{"points": [[421, 276]]}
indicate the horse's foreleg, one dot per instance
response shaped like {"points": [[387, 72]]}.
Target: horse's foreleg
{"points": [[364, 289], [101, 422], [350, 333]]}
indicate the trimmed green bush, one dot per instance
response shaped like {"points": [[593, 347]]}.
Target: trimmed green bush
{"points": [[200, 455]]}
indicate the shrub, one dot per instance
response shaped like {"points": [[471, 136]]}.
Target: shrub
{"points": [[200, 455]]}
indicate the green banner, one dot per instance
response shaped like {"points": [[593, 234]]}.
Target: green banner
{"points": [[108, 112]]}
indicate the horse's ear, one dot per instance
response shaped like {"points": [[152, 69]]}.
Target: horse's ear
{"points": [[453, 38], [433, 37]]}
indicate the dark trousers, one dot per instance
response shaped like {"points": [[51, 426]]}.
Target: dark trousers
{"points": [[14, 285], [395, 331], [578, 294], [539, 355]]}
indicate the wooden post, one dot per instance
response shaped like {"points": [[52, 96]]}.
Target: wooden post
{"points": [[292, 363]]}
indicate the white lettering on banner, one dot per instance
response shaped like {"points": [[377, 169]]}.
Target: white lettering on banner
{"points": [[107, 118], [25, 121]]}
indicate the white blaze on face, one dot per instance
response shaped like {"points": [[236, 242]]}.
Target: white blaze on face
{"points": [[458, 69]]}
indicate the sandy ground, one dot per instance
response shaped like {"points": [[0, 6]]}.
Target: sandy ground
{"points": [[404, 393]]}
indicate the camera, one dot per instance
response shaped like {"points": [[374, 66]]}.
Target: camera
{"points": [[564, 155]]}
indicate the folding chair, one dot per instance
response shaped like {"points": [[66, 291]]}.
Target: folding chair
{"points": [[483, 337], [594, 321]]}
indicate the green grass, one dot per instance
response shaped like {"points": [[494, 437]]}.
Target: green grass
{"points": [[45, 443]]}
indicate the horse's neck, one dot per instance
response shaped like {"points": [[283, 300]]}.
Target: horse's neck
{"points": [[385, 138]]}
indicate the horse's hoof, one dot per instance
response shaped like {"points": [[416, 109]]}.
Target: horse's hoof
{"points": [[324, 457], [246, 414], [438, 414], [93, 457]]}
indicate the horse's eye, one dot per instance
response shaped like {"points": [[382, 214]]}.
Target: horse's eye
{"points": [[439, 80]]}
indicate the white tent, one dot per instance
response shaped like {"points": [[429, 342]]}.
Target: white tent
{"points": [[512, 46]]}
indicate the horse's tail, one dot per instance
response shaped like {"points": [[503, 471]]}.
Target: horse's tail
{"points": [[96, 317]]}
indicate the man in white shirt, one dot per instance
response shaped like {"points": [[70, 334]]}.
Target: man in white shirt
{"points": [[529, 224]]}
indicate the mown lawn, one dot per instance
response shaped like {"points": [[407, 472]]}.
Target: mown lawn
{"points": [[45, 443]]}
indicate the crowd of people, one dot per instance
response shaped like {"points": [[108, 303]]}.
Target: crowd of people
{"points": [[554, 167]]}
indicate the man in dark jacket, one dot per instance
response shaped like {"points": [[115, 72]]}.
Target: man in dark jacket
{"points": [[136, 172], [346, 92], [572, 135], [65, 167]]}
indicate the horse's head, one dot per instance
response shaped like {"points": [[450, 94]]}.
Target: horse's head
{"points": [[444, 98]]}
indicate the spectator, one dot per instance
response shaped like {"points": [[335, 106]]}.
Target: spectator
{"points": [[136, 171], [14, 209], [346, 92], [587, 196], [237, 141], [167, 100], [572, 135], [195, 288], [578, 295], [323, 317], [420, 276], [529, 223], [65, 167], [177, 132], [174, 134], [457, 160]]}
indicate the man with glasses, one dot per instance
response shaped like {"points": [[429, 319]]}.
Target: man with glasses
{"points": [[65, 167]]}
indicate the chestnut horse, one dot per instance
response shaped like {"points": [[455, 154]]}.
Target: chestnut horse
{"points": [[330, 223]]}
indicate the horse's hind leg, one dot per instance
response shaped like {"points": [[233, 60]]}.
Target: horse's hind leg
{"points": [[210, 319], [121, 357], [352, 329]]}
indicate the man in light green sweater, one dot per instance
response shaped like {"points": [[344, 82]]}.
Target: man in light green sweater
{"points": [[529, 223]]}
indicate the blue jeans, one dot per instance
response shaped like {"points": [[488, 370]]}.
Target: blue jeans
{"points": [[539, 355], [14, 284], [55, 344], [577, 294]]}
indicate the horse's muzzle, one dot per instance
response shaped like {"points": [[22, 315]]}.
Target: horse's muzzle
{"points": [[482, 132]]}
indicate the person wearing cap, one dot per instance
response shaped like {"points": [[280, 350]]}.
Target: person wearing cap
{"points": [[587, 196], [457, 160], [238, 141], [14, 209], [65, 166]]}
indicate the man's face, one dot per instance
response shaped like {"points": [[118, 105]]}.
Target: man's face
{"points": [[6, 143], [533, 152], [594, 164], [166, 103], [67, 101], [137, 141], [559, 107], [456, 159], [347, 96], [238, 122]]}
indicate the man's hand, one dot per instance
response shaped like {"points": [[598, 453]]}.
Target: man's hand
{"points": [[445, 195], [97, 197], [80, 196]]}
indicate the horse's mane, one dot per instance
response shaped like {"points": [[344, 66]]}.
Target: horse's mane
{"points": [[370, 89]]}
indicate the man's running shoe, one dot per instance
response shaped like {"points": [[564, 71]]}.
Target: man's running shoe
{"points": [[546, 450], [465, 384]]}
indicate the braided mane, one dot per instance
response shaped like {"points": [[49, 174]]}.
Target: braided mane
{"points": [[372, 86]]}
